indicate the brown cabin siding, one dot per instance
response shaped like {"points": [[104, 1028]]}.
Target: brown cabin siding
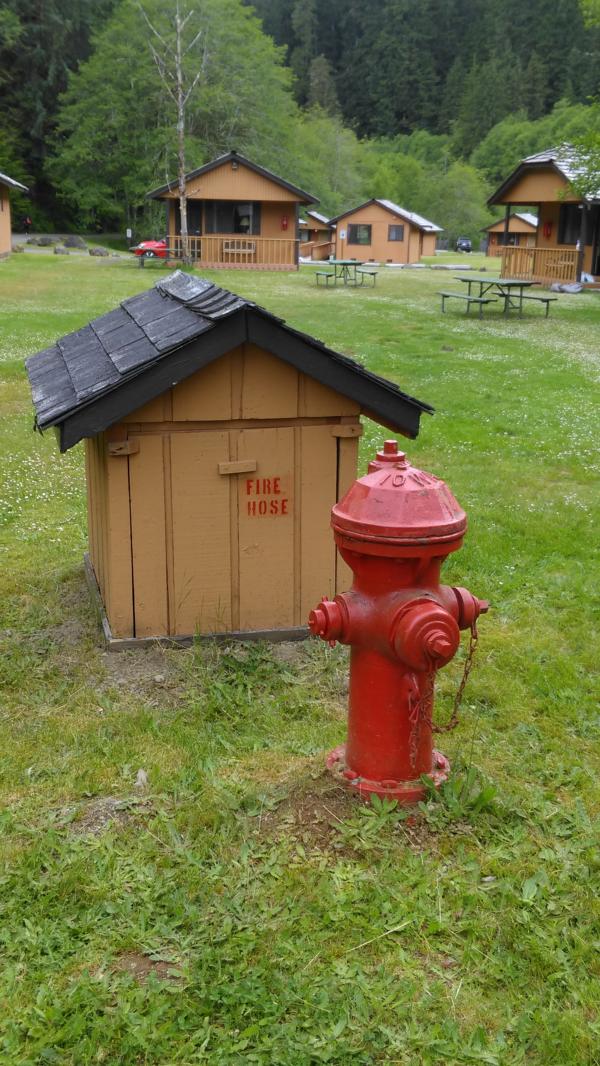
{"points": [[537, 186], [226, 183], [5, 226], [409, 250]]}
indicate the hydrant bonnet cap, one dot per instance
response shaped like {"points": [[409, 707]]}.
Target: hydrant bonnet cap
{"points": [[399, 503]]}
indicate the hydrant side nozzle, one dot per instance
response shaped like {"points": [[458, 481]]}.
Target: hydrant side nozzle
{"points": [[469, 607], [317, 622], [425, 635], [326, 620]]}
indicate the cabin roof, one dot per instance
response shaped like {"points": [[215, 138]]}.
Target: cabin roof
{"points": [[563, 159], [93, 377], [318, 217], [400, 212], [523, 216], [233, 156], [5, 180]]}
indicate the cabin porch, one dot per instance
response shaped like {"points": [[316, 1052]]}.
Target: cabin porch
{"points": [[217, 250]]}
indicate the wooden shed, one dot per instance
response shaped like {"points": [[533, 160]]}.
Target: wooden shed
{"points": [[381, 230], [239, 214], [217, 440], [520, 233], [6, 184]]}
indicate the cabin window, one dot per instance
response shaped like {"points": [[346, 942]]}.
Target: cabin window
{"points": [[358, 233], [225, 216], [395, 233], [569, 224]]}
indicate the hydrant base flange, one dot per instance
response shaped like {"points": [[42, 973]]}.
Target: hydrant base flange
{"points": [[405, 792]]}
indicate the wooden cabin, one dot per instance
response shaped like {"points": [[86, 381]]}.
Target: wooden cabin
{"points": [[6, 184], [217, 440], [317, 236], [521, 233], [568, 234], [379, 230], [238, 215]]}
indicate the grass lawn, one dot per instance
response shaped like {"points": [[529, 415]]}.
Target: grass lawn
{"points": [[239, 908]]}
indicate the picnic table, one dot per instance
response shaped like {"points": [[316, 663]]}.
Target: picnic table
{"points": [[345, 269], [511, 290]]}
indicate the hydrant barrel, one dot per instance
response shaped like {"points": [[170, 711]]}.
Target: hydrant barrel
{"points": [[394, 528]]}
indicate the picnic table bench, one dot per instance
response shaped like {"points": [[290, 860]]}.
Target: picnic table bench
{"points": [[542, 299], [327, 274], [481, 300], [366, 272]]}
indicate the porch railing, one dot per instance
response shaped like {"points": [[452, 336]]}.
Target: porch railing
{"points": [[219, 250], [539, 264], [317, 250]]}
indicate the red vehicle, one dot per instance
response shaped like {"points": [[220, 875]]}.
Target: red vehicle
{"points": [[151, 249]]}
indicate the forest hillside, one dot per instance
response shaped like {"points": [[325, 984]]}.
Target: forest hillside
{"points": [[425, 102]]}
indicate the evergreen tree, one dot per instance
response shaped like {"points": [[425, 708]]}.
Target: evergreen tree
{"points": [[535, 87], [40, 43], [321, 86], [304, 26]]}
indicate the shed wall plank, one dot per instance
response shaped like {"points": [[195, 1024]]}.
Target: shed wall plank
{"points": [[206, 395], [118, 597], [267, 538], [347, 464], [270, 386], [150, 412], [146, 475], [316, 400], [201, 533], [318, 495], [101, 513], [91, 501]]}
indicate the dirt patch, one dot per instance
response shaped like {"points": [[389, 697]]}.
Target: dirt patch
{"points": [[416, 833], [311, 817], [100, 813], [154, 673], [141, 966], [289, 651], [70, 632], [146, 666]]}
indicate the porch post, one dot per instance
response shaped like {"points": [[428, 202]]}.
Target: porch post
{"points": [[506, 223], [582, 240]]}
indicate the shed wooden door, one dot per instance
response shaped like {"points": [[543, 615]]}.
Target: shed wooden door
{"points": [[217, 552]]}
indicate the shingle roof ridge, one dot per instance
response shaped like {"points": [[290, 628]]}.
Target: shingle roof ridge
{"points": [[412, 216], [13, 181]]}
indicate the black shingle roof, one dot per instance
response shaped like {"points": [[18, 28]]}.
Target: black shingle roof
{"points": [[91, 378]]}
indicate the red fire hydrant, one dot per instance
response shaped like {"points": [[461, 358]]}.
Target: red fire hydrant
{"points": [[394, 528]]}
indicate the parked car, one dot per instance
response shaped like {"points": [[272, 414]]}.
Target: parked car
{"points": [[151, 249], [463, 244]]}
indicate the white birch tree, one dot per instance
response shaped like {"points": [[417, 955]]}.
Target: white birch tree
{"points": [[170, 51]]}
